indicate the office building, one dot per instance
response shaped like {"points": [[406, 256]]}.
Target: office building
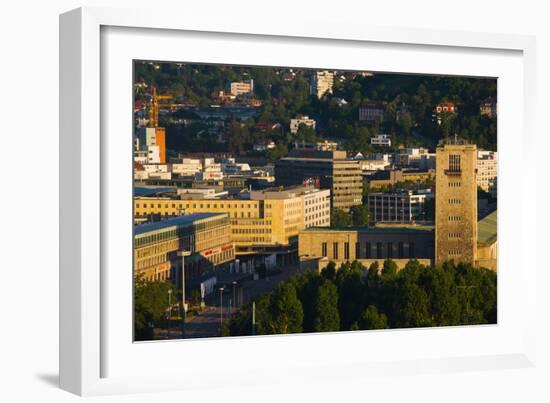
{"points": [[207, 236], [404, 207], [329, 169], [260, 220]]}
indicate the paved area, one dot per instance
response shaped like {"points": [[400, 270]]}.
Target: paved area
{"points": [[207, 323]]}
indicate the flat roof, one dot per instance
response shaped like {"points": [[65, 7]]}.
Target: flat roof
{"points": [[487, 229], [392, 229], [173, 222], [152, 190]]}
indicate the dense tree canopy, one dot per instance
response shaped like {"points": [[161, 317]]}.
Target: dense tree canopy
{"points": [[408, 112], [353, 297]]}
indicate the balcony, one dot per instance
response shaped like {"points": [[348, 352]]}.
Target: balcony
{"points": [[452, 172]]}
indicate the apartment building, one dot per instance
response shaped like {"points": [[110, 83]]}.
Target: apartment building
{"points": [[487, 169], [321, 83]]}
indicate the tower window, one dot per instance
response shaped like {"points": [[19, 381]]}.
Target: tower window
{"points": [[454, 163]]}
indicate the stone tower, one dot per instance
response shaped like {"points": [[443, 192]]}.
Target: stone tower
{"points": [[456, 201]]}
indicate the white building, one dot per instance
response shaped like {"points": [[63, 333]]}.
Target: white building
{"points": [[147, 155], [201, 193], [187, 167], [381, 140], [419, 158], [314, 203], [374, 165], [321, 83], [264, 146], [301, 120], [230, 167], [487, 169]]}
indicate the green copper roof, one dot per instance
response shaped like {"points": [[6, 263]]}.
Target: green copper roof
{"points": [[487, 229]]}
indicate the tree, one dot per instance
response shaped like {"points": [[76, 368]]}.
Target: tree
{"points": [[286, 310], [372, 319], [150, 305], [327, 318], [389, 270], [360, 215], [339, 218]]}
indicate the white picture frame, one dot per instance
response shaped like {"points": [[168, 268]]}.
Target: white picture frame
{"points": [[85, 196]]}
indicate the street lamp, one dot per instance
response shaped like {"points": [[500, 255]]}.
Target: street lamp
{"points": [[221, 308], [183, 254], [234, 297], [169, 310]]}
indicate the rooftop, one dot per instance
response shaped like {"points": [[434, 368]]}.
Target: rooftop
{"points": [[487, 229], [392, 229], [152, 190], [175, 222]]}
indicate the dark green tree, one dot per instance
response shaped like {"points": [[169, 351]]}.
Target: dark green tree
{"points": [[151, 305], [372, 319], [327, 318], [339, 218], [286, 310]]}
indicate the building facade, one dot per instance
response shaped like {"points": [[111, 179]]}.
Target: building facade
{"points": [[321, 83], [301, 120], [372, 111], [318, 246], [381, 140], [456, 202], [206, 236], [152, 136], [487, 169], [241, 88], [331, 169], [403, 207], [267, 218]]}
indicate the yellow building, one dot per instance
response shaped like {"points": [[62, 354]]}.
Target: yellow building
{"points": [[268, 218], [456, 202], [319, 246], [206, 236]]}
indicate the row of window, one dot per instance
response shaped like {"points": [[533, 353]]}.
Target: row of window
{"points": [[381, 252], [455, 184], [455, 218]]}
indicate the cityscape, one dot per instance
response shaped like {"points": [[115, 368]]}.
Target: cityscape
{"points": [[279, 200]]}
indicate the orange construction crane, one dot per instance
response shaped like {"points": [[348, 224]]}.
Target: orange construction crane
{"points": [[154, 105]]}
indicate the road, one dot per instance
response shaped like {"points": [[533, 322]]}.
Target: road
{"points": [[207, 324]]}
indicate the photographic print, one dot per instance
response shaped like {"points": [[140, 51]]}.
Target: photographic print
{"points": [[278, 200]]}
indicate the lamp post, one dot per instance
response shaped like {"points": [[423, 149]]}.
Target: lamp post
{"points": [[221, 308], [169, 310], [234, 297], [183, 254]]}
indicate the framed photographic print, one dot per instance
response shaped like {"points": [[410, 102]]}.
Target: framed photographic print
{"points": [[257, 196]]}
